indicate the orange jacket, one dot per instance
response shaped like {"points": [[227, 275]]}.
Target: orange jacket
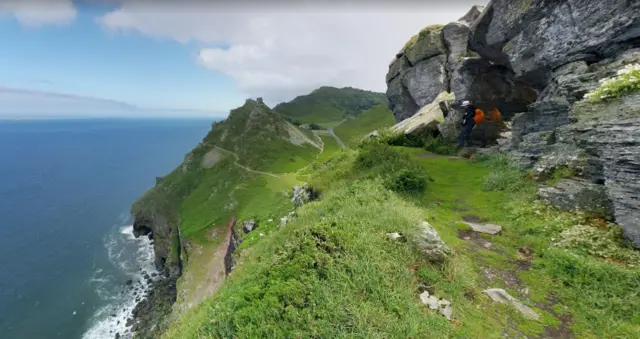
{"points": [[479, 117], [494, 114]]}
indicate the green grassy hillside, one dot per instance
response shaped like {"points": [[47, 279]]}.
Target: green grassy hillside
{"points": [[334, 273], [351, 131], [329, 105]]}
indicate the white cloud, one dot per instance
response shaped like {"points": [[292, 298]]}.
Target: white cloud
{"points": [[36, 13], [281, 50], [22, 103]]}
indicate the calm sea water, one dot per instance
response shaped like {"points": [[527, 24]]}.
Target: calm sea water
{"points": [[66, 248]]}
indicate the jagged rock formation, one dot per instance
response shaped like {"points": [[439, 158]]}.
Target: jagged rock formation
{"points": [[439, 59], [561, 49]]}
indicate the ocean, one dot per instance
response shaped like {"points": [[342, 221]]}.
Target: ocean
{"points": [[66, 242]]}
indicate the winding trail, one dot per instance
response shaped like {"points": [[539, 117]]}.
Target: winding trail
{"points": [[330, 130], [237, 163]]}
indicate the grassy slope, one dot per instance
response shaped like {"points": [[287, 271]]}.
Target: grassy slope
{"points": [[328, 105], [202, 200], [351, 131], [332, 273]]}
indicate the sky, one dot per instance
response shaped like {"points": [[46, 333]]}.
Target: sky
{"points": [[196, 57]]}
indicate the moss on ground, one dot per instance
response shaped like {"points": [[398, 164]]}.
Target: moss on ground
{"points": [[423, 32]]}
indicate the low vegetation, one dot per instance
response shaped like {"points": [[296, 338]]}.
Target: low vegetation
{"points": [[332, 272], [626, 81], [423, 32], [353, 130], [328, 106]]}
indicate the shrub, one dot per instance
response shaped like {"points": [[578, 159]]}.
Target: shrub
{"points": [[503, 176], [314, 126], [400, 171], [438, 146], [407, 181]]}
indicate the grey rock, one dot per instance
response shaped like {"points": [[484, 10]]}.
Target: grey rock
{"points": [[426, 79], [501, 296], [474, 13], [578, 195], [484, 228], [429, 43], [394, 236], [397, 67], [430, 244], [249, 225], [447, 311], [400, 100], [535, 37], [427, 119], [610, 131], [456, 38], [302, 194], [434, 303]]}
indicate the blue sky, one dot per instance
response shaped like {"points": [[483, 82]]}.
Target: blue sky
{"points": [[188, 59]]}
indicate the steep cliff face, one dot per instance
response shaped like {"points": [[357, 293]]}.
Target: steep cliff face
{"points": [[439, 59], [562, 49]]}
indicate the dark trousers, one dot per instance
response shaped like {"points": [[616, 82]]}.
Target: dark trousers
{"points": [[464, 139]]}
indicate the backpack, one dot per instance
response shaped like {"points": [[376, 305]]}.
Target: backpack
{"points": [[479, 117], [494, 114]]}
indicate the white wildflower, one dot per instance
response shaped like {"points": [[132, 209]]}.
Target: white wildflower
{"points": [[623, 71]]}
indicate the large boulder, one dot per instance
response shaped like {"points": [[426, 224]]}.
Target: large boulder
{"points": [[428, 43], [428, 118], [426, 80], [456, 37], [534, 37], [400, 100], [472, 15], [573, 195], [430, 245]]}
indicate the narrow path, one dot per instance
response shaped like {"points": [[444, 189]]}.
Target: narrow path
{"points": [[330, 130], [237, 163]]}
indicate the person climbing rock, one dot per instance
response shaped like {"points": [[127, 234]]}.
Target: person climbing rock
{"points": [[464, 139]]}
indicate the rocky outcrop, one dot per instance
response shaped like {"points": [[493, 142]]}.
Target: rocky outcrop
{"points": [[578, 195], [426, 79], [535, 37], [430, 245], [536, 60], [563, 49], [439, 59], [234, 242]]}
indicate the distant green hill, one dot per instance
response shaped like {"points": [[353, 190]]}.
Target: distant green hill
{"points": [[330, 105], [353, 130]]}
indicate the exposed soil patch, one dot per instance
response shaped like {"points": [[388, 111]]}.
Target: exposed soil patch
{"points": [[474, 218], [509, 278], [476, 239], [525, 255], [460, 207], [563, 331]]}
